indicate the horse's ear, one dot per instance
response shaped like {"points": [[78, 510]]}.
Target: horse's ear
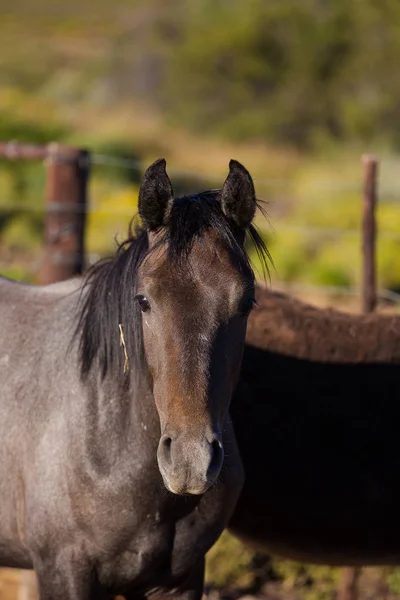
{"points": [[238, 197], [155, 195]]}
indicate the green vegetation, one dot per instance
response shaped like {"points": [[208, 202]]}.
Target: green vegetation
{"points": [[295, 90], [232, 566], [291, 72]]}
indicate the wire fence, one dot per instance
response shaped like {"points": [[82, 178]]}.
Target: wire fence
{"points": [[11, 151], [389, 296], [133, 164], [275, 230], [337, 291]]}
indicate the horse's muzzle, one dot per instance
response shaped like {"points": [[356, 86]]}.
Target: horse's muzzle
{"points": [[189, 466]]}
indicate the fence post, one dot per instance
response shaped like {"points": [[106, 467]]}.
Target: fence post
{"points": [[66, 198], [369, 233], [348, 587]]}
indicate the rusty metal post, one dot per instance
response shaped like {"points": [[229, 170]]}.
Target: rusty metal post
{"points": [[369, 233], [66, 198]]}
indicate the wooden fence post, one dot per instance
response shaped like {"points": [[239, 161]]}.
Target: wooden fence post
{"points": [[66, 198], [348, 586], [369, 233]]}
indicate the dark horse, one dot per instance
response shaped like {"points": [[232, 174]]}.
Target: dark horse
{"points": [[114, 405], [317, 420]]}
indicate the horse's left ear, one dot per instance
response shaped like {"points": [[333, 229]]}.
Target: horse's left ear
{"points": [[155, 195], [238, 197]]}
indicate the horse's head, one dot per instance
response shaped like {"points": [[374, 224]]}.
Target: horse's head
{"points": [[195, 289], [177, 295]]}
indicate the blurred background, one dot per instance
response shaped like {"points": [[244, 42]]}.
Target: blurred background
{"points": [[296, 90]]}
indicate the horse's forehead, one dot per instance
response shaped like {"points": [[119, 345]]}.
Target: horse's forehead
{"points": [[209, 266]]}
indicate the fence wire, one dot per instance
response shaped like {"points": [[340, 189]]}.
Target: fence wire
{"points": [[275, 230], [12, 151], [383, 294], [135, 165]]}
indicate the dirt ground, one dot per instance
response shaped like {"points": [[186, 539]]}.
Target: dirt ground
{"points": [[21, 585]]}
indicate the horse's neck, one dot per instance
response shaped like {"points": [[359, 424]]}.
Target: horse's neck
{"points": [[119, 423]]}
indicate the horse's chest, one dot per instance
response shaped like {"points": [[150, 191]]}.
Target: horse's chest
{"points": [[146, 559], [159, 554]]}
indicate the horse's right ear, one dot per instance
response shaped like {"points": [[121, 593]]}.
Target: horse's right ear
{"points": [[155, 195]]}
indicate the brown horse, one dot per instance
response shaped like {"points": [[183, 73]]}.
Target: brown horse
{"points": [[317, 418], [114, 402]]}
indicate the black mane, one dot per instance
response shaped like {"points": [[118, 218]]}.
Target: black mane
{"points": [[108, 294]]}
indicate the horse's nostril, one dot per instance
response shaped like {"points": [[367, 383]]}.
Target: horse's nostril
{"points": [[165, 448], [167, 442], [216, 458]]}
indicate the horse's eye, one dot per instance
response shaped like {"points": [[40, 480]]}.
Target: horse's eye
{"points": [[247, 306], [143, 302]]}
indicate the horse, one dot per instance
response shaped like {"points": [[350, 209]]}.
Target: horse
{"points": [[317, 414], [118, 462]]}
